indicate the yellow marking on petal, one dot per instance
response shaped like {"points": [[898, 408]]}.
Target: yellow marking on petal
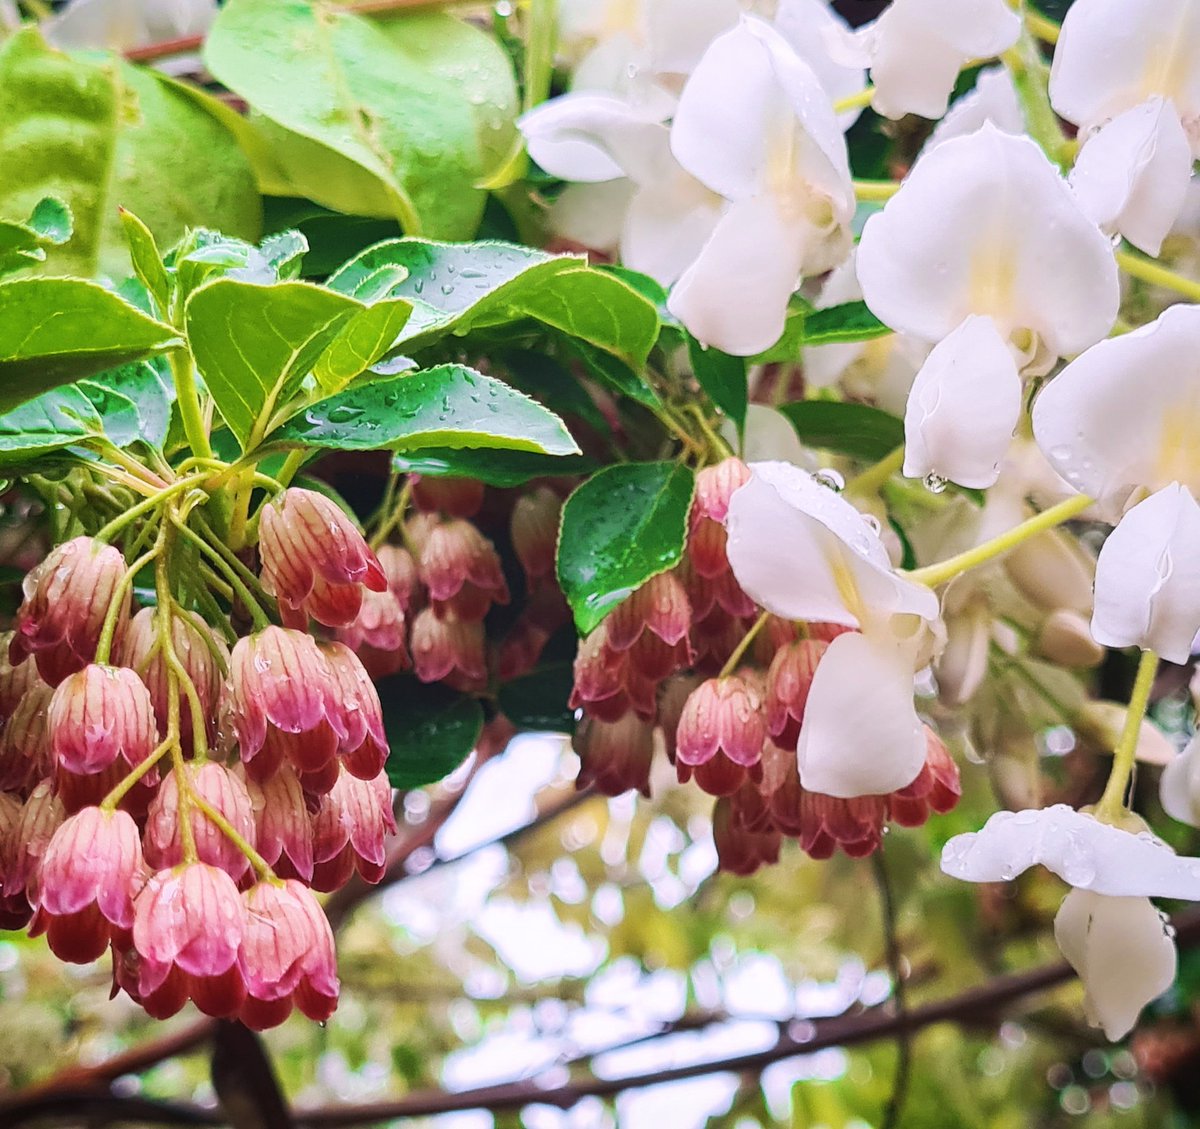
{"points": [[993, 278], [843, 577], [623, 16], [1178, 456]]}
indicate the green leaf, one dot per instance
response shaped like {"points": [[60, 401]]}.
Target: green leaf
{"points": [[147, 262], [614, 373], [553, 383], [431, 729], [495, 467], [255, 344], [448, 406], [134, 402], [858, 430], [464, 288], [111, 134], [623, 526], [851, 321], [22, 244], [365, 337], [359, 123], [723, 378], [52, 220], [58, 418], [538, 700], [55, 330]]}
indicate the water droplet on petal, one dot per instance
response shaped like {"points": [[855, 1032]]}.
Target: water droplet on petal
{"points": [[935, 483], [831, 479]]}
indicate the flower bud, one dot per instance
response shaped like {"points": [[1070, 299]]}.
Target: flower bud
{"points": [[15, 910], [460, 568], [41, 816], [284, 830], [723, 715], [100, 716], [715, 486], [364, 749], [1066, 639], [314, 560], [403, 578], [789, 680], [660, 607], [25, 742], [614, 757], [14, 680], [221, 790], [284, 702], [378, 634], [740, 850], [936, 788], [287, 956], [92, 870], [445, 647], [1053, 571], [449, 495], [349, 831], [66, 601], [535, 520]]}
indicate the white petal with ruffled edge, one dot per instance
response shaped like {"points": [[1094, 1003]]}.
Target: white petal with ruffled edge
{"points": [[1081, 850], [993, 99], [803, 552], [768, 437], [1148, 577], [592, 215], [963, 407], [1132, 176], [1113, 54], [1122, 952], [668, 222], [861, 735], [984, 224], [680, 31], [822, 39], [917, 48], [1127, 412], [1179, 785]]}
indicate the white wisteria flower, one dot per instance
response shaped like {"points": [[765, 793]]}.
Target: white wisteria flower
{"points": [[1148, 577], [1179, 785], [1113, 55], [825, 42], [917, 47], [803, 552], [628, 190], [1131, 177], [993, 99], [756, 127], [1124, 416]]}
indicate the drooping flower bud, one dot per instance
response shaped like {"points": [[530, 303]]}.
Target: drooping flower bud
{"points": [[287, 956], [715, 485], [445, 647], [364, 749], [91, 871], [284, 702], [378, 634], [659, 607], [221, 789], [100, 716], [789, 680], [534, 529], [723, 715], [314, 560], [41, 816], [284, 830], [349, 831], [66, 600], [14, 680], [15, 910], [450, 495], [189, 922], [403, 578], [739, 849], [460, 568], [25, 742], [937, 787], [614, 757]]}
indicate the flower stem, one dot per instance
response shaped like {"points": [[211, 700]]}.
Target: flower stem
{"points": [[183, 373], [1040, 27], [877, 190], [1112, 803], [1138, 266], [114, 797], [854, 101], [733, 660], [936, 574], [108, 629], [871, 479], [1030, 79], [257, 614], [146, 505], [720, 449], [261, 867]]}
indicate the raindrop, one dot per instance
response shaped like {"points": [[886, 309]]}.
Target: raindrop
{"points": [[935, 483], [872, 523], [504, 9], [831, 479]]}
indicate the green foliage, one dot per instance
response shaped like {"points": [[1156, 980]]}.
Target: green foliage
{"points": [[431, 730], [538, 700], [805, 326], [849, 429], [626, 524], [109, 134], [23, 244], [724, 379], [494, 466]]}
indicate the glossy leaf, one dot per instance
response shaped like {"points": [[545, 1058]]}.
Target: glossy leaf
{"points": [[23, 244], [358, 123], [858, 430], [538, 700], [364, 338], [134, 402], [460, 289], [615, 374], [255, 344], [805, 326], [626, 524], [552, 382], [723, 378], [448, 406], [495, 467], [111, 134], [431, 729], [56, 419], [147, 261], [55, 330]]}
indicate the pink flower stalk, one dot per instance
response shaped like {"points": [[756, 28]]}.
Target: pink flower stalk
{"points": [[284, 703], [66, 600], [201, 652], [789, 680], [287, 956], [364, 749], [25, 742], [314, 560], [450, 495], [442, 648], [461, 570], [188, 927], [349, 831], [615, 757], [723, 715], [284, 828], [534, 530], [223, 791], [98, 716], [91, 871]]}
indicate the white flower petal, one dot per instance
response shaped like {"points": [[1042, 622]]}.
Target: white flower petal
{"points": [[667, 225], [993, 100], [984, 224], [769, 437], [963, 407], [1179, 785], [1113, 54], [1132, 176], [1127, 412], [1081, 850], [861, 735], [919, 46], [120, 24], [1148, 577], [592, 215], [803, 552], [1122, 952], [821, 37], [681, 30], [735, 294]]}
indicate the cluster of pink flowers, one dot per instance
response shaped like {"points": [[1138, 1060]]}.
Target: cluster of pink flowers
{"points": [[655, 671], [196, 869]]}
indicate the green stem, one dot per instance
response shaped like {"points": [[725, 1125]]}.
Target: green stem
{"points": [[936, 574], [733, 660], [870, 480], [719, 448], [187, 396], [257, 614], [876, 190], [291, 467], [1112, 803], [232, 559], [1030, 79], [114, 797], [109, 628], [261, 867], [145, 505], [1148, 271]]}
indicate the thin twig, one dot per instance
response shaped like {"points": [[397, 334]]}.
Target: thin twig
{"points": [[895, 962]]}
